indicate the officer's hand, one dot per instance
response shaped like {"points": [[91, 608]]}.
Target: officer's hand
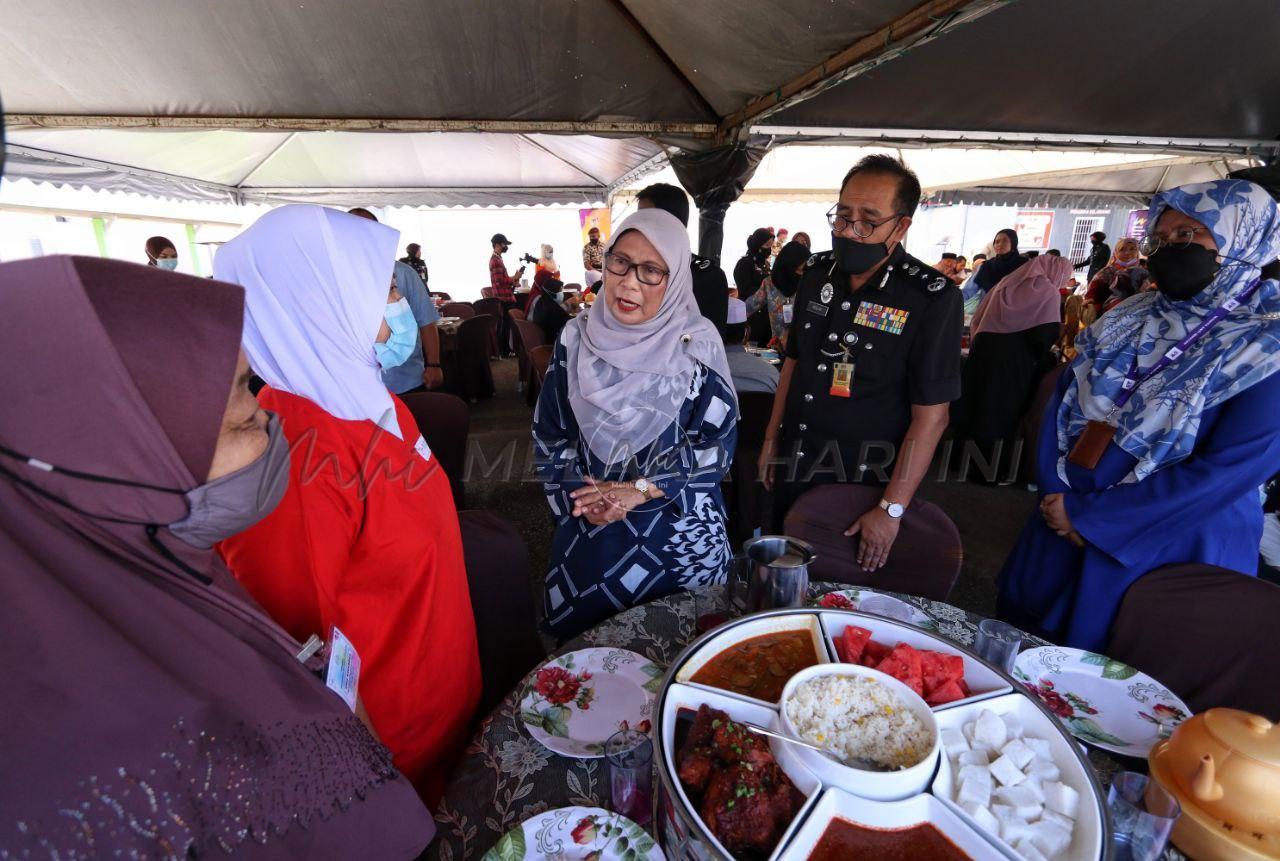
{"points": [[876, 532], [432, 378], [764, 465]]}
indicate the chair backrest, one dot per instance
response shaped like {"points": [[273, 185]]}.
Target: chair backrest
{"points": [[925, 559], [486, 292], [573, 288], [1206, 633], [440, 294], [539, 361], [457, 309], [493, 307], [530, 335], [516, 314], [502, 601], [444, 421], [1035, 415], [475, 339]]}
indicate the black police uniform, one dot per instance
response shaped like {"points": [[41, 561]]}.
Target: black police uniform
{"points": [[901, 331]]}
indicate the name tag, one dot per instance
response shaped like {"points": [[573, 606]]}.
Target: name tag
{"points": [[343, 677], [816, 308]]}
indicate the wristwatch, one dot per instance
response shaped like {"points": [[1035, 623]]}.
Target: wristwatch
{"points": [[893, 509], [642, 486]]}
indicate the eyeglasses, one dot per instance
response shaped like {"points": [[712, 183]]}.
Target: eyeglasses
{"points": [[1180, 238], [861, 228], [646, 273]]}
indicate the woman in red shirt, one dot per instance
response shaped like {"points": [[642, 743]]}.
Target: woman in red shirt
{"points": [[366, 539]]}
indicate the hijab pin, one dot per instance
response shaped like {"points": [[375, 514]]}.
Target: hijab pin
{"points": [[684, 339]]}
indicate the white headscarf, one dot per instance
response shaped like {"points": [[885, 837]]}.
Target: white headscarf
{"points": [[316, 283], [628, 382]]}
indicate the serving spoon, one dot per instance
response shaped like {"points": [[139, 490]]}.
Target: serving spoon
{"points": [[856, 762]]}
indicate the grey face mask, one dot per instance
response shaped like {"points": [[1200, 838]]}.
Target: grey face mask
{"points": [[234, 502]]}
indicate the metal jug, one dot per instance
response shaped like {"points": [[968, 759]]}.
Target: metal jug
{"points": [[778, 572]]}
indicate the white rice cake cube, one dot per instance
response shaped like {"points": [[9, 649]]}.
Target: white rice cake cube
{"points": [[968, 729], [1049, 838], [1035, 786], [967, 771], [1061, 798], [973, 757], [1039, 746], [953, 742], [1043, 769], [1057, 819], [1028, 850], [1005, 771], [1013, 830], [982, 816], [1019, 752], [989, 731], [975, 790], [1022, 799], [1012, 725]]}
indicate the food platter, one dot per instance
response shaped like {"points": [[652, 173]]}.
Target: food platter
{"points": [[806, 794]]}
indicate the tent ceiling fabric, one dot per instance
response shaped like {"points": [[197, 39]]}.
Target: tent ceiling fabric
{"points": [[1139, 67], [431, 169]]}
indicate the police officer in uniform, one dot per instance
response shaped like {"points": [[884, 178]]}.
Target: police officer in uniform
{"points": [[710, 287], [872, 360]]}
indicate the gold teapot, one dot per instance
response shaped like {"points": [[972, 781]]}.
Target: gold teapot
{"points": [[1223, 766]]}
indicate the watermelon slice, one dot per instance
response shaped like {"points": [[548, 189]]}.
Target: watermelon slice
{"points": [[940, 668], [851, 644], [873, 653], [946, 693], [903, 663]]}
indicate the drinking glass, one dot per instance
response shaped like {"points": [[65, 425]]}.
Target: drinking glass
{"points": [[998, 643], [1143, 814], [630, 756]]}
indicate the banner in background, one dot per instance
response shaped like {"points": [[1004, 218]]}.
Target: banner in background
{"points": [[1033, 228], [1136, 227], [589, 218]]}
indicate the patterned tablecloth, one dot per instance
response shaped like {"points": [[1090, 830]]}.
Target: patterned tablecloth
{"points": [[507, 777]]}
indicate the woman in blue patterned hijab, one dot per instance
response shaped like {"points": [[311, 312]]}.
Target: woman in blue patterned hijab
{"points": [[1169, 473]]}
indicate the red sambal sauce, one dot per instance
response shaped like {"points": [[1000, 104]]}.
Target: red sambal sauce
{"points": [[760, 666], [844, 839]]}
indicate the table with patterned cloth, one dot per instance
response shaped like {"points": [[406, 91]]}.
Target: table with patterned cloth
{"points": [[505, 776]]}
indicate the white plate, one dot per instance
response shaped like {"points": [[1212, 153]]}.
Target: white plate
{"points": [[574, 703], [1101, 701], [983, 681], [837, 804], [576, 834], [680, 697], [878, 603], [1086, 837]]}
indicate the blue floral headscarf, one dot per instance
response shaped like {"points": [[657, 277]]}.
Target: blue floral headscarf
{"points": [[1159, 424]]}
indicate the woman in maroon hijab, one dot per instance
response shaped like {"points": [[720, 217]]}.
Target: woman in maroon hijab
{"points": [[150, 708]]}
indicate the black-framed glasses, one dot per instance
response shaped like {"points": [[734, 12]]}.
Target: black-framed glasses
{"points": [[862, 228], [1180, 238], [646, 273]]}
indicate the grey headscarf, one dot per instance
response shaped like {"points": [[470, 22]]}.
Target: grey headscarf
{"points": [[628, 382]]}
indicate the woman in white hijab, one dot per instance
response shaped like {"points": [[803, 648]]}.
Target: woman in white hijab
{"points": [[634, 429], [366, 539]]}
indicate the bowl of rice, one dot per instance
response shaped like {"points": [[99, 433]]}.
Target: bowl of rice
{"points": [[865, 717]]}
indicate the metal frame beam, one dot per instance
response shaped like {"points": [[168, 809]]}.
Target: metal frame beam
{"points": [[303, 124], [921, 24], [1019, 140]]}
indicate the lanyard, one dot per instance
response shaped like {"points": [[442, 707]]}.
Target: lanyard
{"points": [[1131, 379]]}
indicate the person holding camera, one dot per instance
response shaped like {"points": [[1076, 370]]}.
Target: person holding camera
{"points": [[503, 288]]}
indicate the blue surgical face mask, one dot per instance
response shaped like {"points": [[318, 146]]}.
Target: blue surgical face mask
{"points": [[558, 296], [404, 336], [170, 263]]}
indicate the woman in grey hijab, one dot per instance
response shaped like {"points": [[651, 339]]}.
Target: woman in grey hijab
{"points": [[634, 429]]}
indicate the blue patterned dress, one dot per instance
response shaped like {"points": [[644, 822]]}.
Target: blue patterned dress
{"points": [[676, 542]]}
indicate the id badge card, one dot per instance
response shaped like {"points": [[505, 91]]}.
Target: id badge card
{"points": [[1092, 443], [343, 676], [841, 380]]}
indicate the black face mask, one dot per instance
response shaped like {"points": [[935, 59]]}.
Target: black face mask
{"points": [[1181, 273], [762, 254], [855, 258]]}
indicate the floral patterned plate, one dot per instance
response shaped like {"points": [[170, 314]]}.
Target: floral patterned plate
{"points": [[574, 703], [576, 834], [1100, 700], [880, 604]]}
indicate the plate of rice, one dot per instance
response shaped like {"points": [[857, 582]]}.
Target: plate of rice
{"points": [[859, 714]]}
